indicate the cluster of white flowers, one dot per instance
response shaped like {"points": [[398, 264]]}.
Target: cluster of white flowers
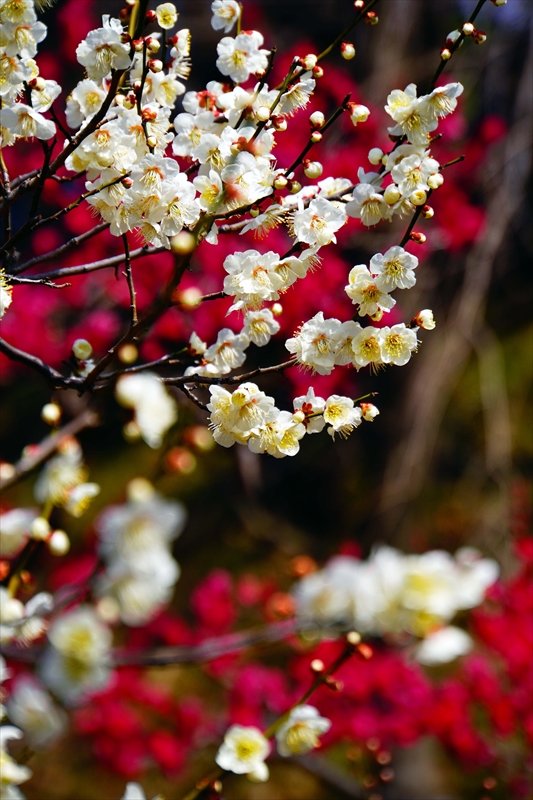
{"points": [[134, 542], [245, 748], [249, 416], [391, 593], [20, 33], [62, 482], [23, 623]]}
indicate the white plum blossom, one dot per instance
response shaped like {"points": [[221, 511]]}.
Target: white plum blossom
{"points": [[279, 437], [6, 294], [364, 291], [317, 224], [155, 410], [300, 731], [366, 347], [315, 344], [31, 708], [228, 351], [241, 56], [341, 415], [443, 646], [368, 203], [297, 95], [22, 120], [61, 475], [252, 279], [167, 15], [12, 774], [312, 408], [244, 751], [394, 269], [397, 344], [234, 416], [103, 49], [260, 326], [15, 530], [76, 663], [225, 14]]}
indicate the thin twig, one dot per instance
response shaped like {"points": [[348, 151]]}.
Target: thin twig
{"points": [[35, 363], [40, 452], [200, 380], [129, 279], [112, 261], [59, 251]]}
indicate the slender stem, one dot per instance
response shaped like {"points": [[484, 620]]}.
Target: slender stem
{"points": [[112, 261], [358, 17], [59, 251], [454, 47], [336, 114], [129, 279]]}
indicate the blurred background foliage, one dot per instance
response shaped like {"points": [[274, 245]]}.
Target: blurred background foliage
{"points": [[449, 460]]}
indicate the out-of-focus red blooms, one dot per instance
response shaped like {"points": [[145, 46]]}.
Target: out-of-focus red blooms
{"points": [[213, 601]]}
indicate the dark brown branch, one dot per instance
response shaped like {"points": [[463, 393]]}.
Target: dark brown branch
{"points": [[40, 452], [59, 251], [53, 376], [113, 261], [199, 380], [129, 278]]}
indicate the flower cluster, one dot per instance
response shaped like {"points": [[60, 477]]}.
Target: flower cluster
{"points": [[392, 593], [134, 543], [249, 416]]}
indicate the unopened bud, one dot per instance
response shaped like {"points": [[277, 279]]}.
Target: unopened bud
{"points": [[51, 413], [40, 529], [189, 298], [370, 411], [499, 2], [260, 74], [313, 169], [119, 99], [364, 651], [309, 61], [428, 212], [298, 416], [435, 180], [138, 45], [418, 198], [358, 113], [131, 431], [151, 142], [82, 349], [316, 137], [183, 243], [371, 18], [262, 113], [152, 45], [445, 54], [127, 182], [254, 211], [347, 51], [318, 72], [334, 684], [295, 187], [124, 14], [150, 16], [468, 29], [317, 119], [378, 316], [277, 309], [392, 194], [424, 319], [479, 37], [39, 84], [353, 638], [418, 237], [148, 114], [58, 543], [317, 666], [279, 123], [375, 155], [128, 354], [359, 4], [280, 182], [154, 65]]}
